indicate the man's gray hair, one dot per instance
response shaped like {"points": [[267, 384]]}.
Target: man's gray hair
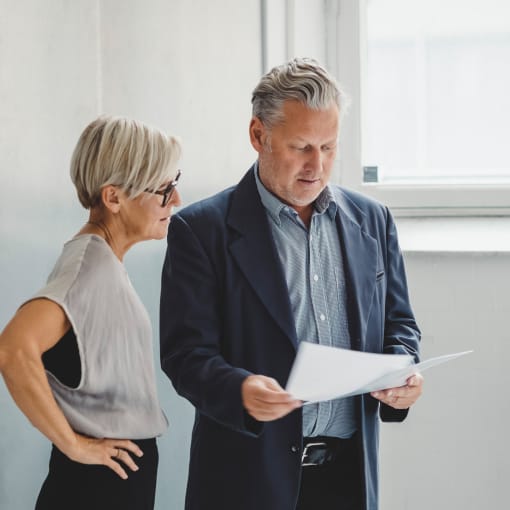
{"points": [[300, 79]]}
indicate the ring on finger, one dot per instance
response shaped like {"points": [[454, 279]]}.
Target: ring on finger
{"points": [[117, 455]]}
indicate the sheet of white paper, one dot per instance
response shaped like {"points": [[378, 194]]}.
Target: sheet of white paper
{"points": [[323, 373]]}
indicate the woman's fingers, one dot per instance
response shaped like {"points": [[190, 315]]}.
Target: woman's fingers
{"points": [[124, 457], [117, 468], [113, 453], [125, 444]]}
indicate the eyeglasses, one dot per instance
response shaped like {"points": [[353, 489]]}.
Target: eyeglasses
{"points": [[168, 191]]}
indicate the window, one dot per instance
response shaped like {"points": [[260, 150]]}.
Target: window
{"points": [[438, 76], [428, 130]]}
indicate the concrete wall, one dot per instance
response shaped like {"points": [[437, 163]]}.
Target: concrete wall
{"points": [[189, 67]]}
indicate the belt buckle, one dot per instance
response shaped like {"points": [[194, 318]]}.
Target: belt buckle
{"points": [[305, 454]]}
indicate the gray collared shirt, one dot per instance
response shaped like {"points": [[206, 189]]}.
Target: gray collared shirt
{"points": [[313, 266]]}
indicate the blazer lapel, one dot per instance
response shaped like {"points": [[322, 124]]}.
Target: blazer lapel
{"points": [[359, 251], [253, 249]]}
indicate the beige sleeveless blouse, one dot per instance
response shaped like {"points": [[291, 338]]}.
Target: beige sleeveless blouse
{"points": [[117, 395]]}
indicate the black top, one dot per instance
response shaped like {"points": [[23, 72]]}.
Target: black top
{"points": [[63, 360]]}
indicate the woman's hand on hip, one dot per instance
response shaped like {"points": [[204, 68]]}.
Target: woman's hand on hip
{"points": [[113, 453]]}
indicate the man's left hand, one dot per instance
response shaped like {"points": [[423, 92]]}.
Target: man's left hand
{"points": [[402, 397]]}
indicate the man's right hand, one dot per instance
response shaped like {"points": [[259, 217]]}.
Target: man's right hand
{"points": [[265, 400]]}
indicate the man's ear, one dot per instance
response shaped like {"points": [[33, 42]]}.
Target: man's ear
{"points": [[110, 198], [258, 134]]}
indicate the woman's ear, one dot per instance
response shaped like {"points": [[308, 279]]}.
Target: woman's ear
{"points": [[110, 198]]}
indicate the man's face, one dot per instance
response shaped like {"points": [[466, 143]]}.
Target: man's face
{"points": [[296, 157]]}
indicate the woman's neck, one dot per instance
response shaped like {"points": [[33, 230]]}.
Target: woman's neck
{"points": [[100, 226]]}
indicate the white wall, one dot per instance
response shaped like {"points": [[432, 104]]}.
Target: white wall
{"points": [[47, 92], [189, 67], [175, 64], [452, 450]]}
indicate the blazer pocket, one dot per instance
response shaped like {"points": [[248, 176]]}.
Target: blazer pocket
{"points": [[379, 275]]}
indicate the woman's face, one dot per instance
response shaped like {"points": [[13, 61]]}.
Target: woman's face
{"points": [[145, 218]]}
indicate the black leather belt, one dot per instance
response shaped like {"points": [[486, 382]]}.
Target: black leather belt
{"points": [[323, 450]]}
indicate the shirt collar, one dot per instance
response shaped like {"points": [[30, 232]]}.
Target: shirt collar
{"points": [[324, 203]]}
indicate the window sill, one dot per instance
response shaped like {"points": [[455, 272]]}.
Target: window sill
{"points": [[450, 235]]}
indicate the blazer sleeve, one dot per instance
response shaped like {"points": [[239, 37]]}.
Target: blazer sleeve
{"points": [[401, 333], [190, 332]]}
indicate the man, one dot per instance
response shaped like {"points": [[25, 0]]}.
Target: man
{"points": [[279, 258]]}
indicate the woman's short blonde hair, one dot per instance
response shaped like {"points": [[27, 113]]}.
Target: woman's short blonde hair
{"points": [[124, 153]]}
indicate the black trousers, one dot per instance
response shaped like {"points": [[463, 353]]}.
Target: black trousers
{"points": [[71, 485], [336, 485]]}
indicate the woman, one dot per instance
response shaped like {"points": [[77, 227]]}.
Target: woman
{"points": [[77, 357]]}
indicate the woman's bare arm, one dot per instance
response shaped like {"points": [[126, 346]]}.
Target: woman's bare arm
{"points": [[36, 327]]}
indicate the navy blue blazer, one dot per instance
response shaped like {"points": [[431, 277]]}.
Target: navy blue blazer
{"points": [[225, 314]]}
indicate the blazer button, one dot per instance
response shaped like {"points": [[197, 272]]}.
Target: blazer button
{"points": [[294, 448]]}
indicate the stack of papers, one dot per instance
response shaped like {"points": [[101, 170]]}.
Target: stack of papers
{"points": [[324, 373]]}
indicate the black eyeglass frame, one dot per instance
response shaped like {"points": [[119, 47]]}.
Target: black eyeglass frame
{"points": [[167, 192]]}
